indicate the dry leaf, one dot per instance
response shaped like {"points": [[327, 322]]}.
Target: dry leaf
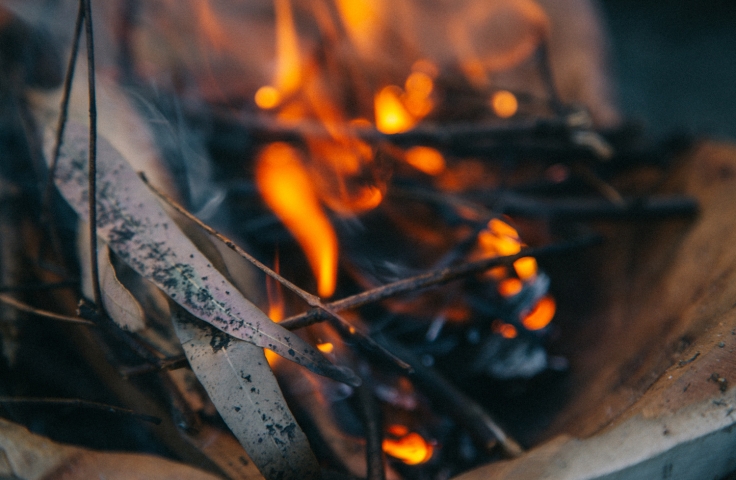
{"points": [[119, 303], [27, 456], [240, 383], [138, 230]]}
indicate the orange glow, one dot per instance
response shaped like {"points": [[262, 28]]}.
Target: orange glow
{"points": [[541, 314], [362, 21], [267, 97], [286, 188], [499, 239], [275, 294], [526, 267], [409, 447], [504, 104], [510, 287], [288, 76], [418, 88], [391, 114], [325, 347], [506, 330], [426, 159]]}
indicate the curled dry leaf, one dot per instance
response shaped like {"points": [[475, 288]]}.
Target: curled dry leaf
{"points": [[240, 383], [137, 229], [26, 456], [119, 303]]}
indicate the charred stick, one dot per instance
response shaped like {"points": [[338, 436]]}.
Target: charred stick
{"points": [[466, 412], [79, 403], [173, 363], [92, 191], [431, 278], [653, 207], [24, 307], [34, 287], [343, 326], [373, 433]]}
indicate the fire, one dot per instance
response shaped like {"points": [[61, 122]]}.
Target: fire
{"points": [[267, 97], [391, 114], [426, 159], [326, 347], [510, 287], [409, 447], [504, 104], [288, 63], [526, 268], [540, 316], [286, 188], [506, 330]]}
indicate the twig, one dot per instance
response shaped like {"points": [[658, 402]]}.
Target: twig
{"points": [[653, 207], [24, 307], [466, 412], [343, 326], [433, 277], [64, 109], [78, 403], [173, 363], [92, 191], [373, 432], [34, 287]]}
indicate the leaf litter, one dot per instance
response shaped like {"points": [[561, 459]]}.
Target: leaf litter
{"points": [[134, 225]]}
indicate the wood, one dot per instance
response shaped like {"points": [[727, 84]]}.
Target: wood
{"points": [[653, 397]]}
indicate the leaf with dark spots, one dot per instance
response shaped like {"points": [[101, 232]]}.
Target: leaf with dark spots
{"points": [[167, 257], [252, 414]]}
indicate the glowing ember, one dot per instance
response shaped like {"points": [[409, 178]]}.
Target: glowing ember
{"points": [[267, 97], [325, 347], [541, 314], [510, 287], [506, 330], [504, 104], [286, 188], [499, 238], [526, 267], [426, 159], [409, 447], [391, 114]]}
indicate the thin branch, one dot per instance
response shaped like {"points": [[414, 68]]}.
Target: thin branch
{"points": [[35, 287], [343, 326], [466, 412], [64, 109], [92, 191], [431, 278], [652, 207], [373, 432], [24, 307], [78, 403], [173, 363]]}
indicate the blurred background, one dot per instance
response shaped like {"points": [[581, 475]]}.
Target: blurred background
{"points": [[675, 62]]}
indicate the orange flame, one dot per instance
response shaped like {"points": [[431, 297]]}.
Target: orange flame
{"points": [[510, 287], [409, 447], [540, 316], [426, 159], [326, 347], [391, 114], [286, 188], [288, 74]]}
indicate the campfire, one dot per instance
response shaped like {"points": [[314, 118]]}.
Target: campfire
{"points": [[341, 238]]}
